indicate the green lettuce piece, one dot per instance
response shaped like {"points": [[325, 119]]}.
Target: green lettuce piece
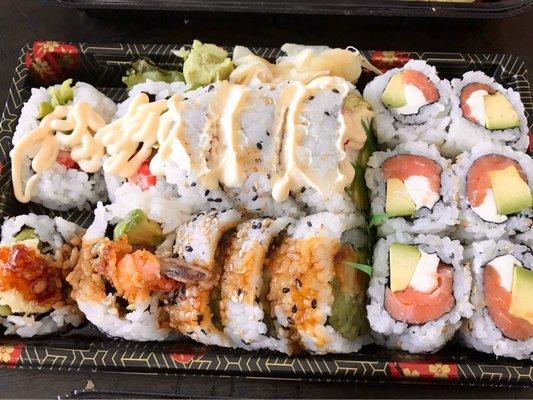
{"points": [[378, 219], [144, 69]]}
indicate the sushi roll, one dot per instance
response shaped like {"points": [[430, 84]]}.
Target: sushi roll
{"points": [[317, 297], [494, 192], [413, 188], [325, 128], [120, 282], [36, 254], [56, 160], [410, 103], [485, 111], [194, 309], [502, 322], [419, 292], [244, 306]]}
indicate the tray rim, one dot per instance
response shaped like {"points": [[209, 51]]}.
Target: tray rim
{"points": [[394, 8], [35, 353]]}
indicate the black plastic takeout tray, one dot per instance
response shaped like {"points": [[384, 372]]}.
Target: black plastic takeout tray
{"points": [[102, 65], [409, 8]]}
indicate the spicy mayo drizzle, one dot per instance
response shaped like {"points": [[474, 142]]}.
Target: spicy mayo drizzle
{"points": [[43, 144]]}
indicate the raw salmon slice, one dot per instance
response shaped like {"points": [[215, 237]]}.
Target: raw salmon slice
{"points": [[465, 95], [414, 307], [404, 166]]}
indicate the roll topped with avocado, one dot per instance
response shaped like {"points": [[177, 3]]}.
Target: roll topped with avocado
{"points": [[503, 299], [485, 111], [419, 292], [495, 192], [412, 189], [36, 254], [410, 103]]}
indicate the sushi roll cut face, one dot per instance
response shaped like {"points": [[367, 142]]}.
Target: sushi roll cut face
{"points": [[408, 91], [32, 275], [496, 187], [61, 149], [485, 106], [508, 292], [194, 309], [421, 285], [119, 282], [316, 298], [413, 182]]}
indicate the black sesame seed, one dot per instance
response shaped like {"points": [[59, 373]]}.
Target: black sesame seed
{"points": [[327, 113], [218, 200], [303, 189], [285, 290], [210, 199], [311, 98], [194, 219], [269, 176], [239, 291], [257, 300], [188, 248], [206, 192], [203, 331], [294, 308], [268, 133], [259, 145], [213, 208], [309, 223], [189, 333], [255, 198], [313, 303], [298, 282], [335, 91], [185, 98], [193, 184], [256, 225], [211, 87]]}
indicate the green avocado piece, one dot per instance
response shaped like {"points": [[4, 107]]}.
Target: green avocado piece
{"points": [[205, 64], [398, 203], [5, 310], [403, 259], [61, 95], [522, 294], [394, 96], [143, 69], [45, 108], [499, 113], [511, 192], [139, 229], [25, 234]]}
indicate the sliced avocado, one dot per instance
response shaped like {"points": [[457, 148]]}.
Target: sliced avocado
{"points": [[45, 108], [499, 113], [205, 64], [394, 96], [402, 260], [61, 95], [25, 234], [5, 310], [398, 202], [522, 294], [139, 229], [511, 193]]}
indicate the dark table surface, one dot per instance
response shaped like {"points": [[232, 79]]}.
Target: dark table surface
{"points": [[23, 21]]}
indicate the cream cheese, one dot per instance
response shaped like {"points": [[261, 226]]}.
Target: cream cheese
{"points": [[488, 211], [419, 189], [504, 265]]}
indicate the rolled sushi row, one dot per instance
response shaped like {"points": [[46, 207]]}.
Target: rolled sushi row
{"points": [[265, 283], [426, 285], [413, 103], [276, 149]]}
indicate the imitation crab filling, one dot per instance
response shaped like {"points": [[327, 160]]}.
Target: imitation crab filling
{"points": [[413, 182], [408, 91], [421, 285], [496, 187], [508, 288], [485, 106]]}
